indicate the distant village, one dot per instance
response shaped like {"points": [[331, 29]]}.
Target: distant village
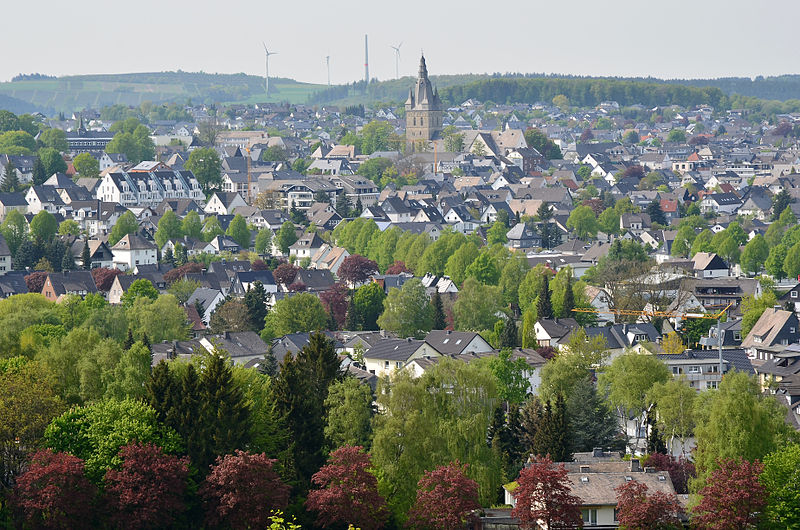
{"points": [[673, 229]]}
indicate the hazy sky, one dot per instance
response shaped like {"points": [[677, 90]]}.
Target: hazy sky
{"points": [[671, 38]]}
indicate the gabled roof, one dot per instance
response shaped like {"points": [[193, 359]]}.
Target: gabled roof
{"points": [[769, 325], [394, 349], [452, 342]]}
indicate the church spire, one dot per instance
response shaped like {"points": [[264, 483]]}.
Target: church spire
{"points": [[423, 69]]}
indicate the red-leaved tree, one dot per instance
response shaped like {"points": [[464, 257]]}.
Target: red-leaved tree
{"points": [[445, 499], [149, 490], [54, 493], [346, 492], [356, 269], [35, 281], [639, 509], [104, 277], [259, 265], [176, 274], [297, 287], [544, 495], [732, 498], [397, 267], [242, 491], [285, 273], [334, 300], [680, 469]]}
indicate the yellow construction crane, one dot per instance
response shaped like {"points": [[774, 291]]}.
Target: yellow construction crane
{"points": [[665, 314]]}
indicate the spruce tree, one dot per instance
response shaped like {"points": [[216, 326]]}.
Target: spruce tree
{"points": [[86, 257], [270, 365], [509, 336], [224, 412], [569, 298], [129, 340], [256, 301], [168, 257], [351, 320], [39, 172], [544, 309], [10, 179], [186, 415], [68, 261], [592, 423], [161, 391], [439, 319], [530, 418]]}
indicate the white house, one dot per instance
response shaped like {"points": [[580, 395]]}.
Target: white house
{"points": [[133, 250]]}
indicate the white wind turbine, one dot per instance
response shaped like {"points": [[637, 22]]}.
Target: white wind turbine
{"points": [[396, 59], [267, 53]]}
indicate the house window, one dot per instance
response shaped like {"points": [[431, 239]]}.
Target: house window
{"points": [[386, 365], [793, 294], [792, 329], [694, 370], [737, 335], [712, 384], [398, 365], [676, 370], [589, 517], [616, 515]]}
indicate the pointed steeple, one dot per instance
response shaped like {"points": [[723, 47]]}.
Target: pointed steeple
{"points": [[423, 69]]}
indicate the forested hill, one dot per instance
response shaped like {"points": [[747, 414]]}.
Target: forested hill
{"points": [[584, 92]]}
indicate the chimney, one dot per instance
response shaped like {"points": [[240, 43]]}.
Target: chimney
{"points": [[409, 339], [226, 335], [635, 467], [777, 308], [584, 469], [448, 331], [625, 329], [597, 452]]}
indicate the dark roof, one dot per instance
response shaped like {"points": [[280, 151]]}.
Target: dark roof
{"points": [[293, 343], [240, 343], [72, 281], [393, 349], [315, 280], [447, 342], [735, 357]]}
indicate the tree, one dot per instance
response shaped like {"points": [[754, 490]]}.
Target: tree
{"points": [[439, 319], [349, 414], [561, 374], [543, 497], [95, 433], [55, 139], [674, 401], [69, 227], [10, 179], [539, 141], [356, 269], [255, 299], [44, 226], [656, 213], [205, 164], [28, 402], [733, 496], [628, 381], [551, 436], [239, 232], [445, 499], [334, 300], [780, 479], [590, 419], [680, 470], [544, 308], [676, 136], [483, 269], [285, 273], [673, 344], [780, 202], [347, 492], [791, 264], [407, 310], [639, 509], [366, 306], [54, 493], [775, 260], [511, 377], [583, 221], [286, 237], [457, 263], [139, 288], [242, 491], [752, 308], [126, 224], [15, 230], [263, 241], [300, 313], [737, 421], [497, 233], [224, 411], [148, 490], [208, 130], [477, 306], [169, 228], [301, 389], [52, 161], [104, 277], [231, 315], [86, 165]]}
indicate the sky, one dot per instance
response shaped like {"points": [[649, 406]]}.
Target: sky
{"points": [[668, 39]]}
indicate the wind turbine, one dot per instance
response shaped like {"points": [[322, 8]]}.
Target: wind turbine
{"points": [[268, 53], [328, 63], [396, 59]]}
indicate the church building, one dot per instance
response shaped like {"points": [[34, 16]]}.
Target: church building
{"points": [[423, 109]]}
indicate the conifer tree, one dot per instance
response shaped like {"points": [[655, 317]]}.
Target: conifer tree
{"points": [[187, 411], [168, 258], [86, 257], [569, 298], [224, 412], [10, 179], [39, 172], [161, 391], [256, 301], [129, 340], [68, 261], [508, 338], [439, 320], [544, 309]]}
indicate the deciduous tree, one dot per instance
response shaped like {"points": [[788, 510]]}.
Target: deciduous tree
{"points": [[477, 306], [349, 414], [149, 488], [781, 479], [543, 497], [733, 496], [407, 310], [356, 269], [446, 497], [637, 508], [345, 491], [243, 491]]}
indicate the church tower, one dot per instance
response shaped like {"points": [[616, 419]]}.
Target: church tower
{"points": [[423, 109]]}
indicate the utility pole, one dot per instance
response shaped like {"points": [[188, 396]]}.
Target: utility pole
{"points": [[328, 63], [366, 61]]}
